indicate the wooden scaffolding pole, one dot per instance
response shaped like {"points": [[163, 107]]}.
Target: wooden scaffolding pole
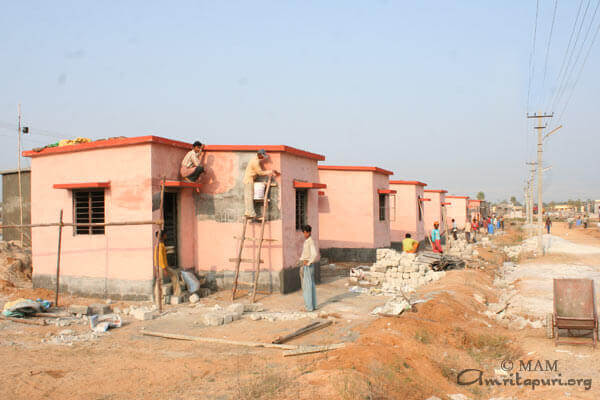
{"points": [[58, 258]]}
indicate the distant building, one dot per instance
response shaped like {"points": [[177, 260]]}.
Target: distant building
{"points": [[11, 214]]}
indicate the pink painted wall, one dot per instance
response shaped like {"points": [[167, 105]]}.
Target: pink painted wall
{"points": [[123, 252], [349, 210], [433, 209], [457, 210], [407, 213]]}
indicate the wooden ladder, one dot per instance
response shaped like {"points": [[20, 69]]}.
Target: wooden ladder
{"points": [[257, 261]]}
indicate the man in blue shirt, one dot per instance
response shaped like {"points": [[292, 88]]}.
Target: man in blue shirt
{"points": [[436, 239]]}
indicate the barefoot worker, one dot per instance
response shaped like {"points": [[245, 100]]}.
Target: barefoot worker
{"points": [[191, 165]]}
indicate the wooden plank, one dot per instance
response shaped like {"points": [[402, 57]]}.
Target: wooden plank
{"points": [[238, 260], [245, 260], [60, 226], [23, 321], [219, 341], [312, 327], [262, 235], [312, 349]]}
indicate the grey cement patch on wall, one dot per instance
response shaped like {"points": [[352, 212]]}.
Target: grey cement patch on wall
{"points": [[334, 254], [229, 206], [117, 289], [11, 214]]}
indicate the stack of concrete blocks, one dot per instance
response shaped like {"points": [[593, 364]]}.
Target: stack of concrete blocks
{"points": [[220, 316], [402, 272], [461, 248], [184, 297]]}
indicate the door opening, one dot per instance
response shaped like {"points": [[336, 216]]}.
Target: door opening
{"points": [[170, 216]]}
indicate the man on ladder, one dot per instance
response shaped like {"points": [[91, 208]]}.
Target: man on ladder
{"points": [[254, 169]]}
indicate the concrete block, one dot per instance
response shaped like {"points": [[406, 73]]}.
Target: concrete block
{"points": [[100, 309], [229, 318], [167, 299], [213, 319], [78, 309], [236, 309], [194, 298], [256, 307], [182, 298], [167, 289], [143, 315]]}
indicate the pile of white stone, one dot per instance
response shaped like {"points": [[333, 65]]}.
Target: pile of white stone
{"points": [[400, 272], [463, 249]]}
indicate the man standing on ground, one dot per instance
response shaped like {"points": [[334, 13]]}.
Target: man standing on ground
{"points": [[474, 228], [436, 239], [548, 224], [254, 169], [468, 231], [454, 229], [191, 165], [409, 245], [308, 258]]}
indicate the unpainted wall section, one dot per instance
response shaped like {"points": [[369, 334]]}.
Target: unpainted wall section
{"points": [[457, 210], [381, 229], [346, 211], [11, 214], [116, 264]]}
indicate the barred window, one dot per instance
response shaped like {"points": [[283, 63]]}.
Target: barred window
{"points": [[88, 208], [382, 207], [301, 202]]}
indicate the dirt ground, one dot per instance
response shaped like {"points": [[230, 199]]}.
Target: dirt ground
{"points": [[414, 356]]}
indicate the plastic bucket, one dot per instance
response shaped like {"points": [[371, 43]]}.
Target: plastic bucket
{"points": [[259, 190]]}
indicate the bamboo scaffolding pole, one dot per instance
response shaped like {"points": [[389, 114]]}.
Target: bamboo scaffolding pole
{"points": [[60, 226]]}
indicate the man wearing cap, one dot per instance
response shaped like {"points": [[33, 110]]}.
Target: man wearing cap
{"points": [[191, 165], [436, 239], [253, 170]]}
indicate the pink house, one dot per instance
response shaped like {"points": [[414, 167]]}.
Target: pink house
{"points": [[119, 180], [435, 209], [354, 212], [458, 210], [407, 212]]}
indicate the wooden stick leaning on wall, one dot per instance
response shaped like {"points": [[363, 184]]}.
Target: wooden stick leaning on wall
{"points": [[60, 226], [261, 237], [161, 226]]}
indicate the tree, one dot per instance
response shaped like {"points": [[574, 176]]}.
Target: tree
{"points": [[480, 196], [513, 200]]}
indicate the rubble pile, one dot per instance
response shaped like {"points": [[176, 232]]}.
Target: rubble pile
{"points": [[15, 265], [463, 249], [396, 272]]}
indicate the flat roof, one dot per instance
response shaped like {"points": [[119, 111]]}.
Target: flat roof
{"points": [[416, 183], [131, 141], [355, 168], [14, 171], [457, 197], [435, 191]]}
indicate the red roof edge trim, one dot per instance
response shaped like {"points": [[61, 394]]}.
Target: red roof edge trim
{"points": [[354, 168], [309, 185], [424, 199], [387, 191], [83, 185], [435, 191], [457, 197], [446, 204], [416, 183], [182, 184]]}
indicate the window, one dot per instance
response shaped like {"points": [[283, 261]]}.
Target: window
{"points": [[382, 207], [301, 200], [88, 208]]}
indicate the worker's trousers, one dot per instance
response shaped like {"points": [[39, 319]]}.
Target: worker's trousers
{"points": [[309, 291], [249, 200], [437, 246], [468, 236]]}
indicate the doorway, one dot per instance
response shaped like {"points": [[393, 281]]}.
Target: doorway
{"points": [[170, 216]]}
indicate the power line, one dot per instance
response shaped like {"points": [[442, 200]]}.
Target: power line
{"points": [[532, 53], [563, 81], [566, 54], [580, 72], [548, 47]]}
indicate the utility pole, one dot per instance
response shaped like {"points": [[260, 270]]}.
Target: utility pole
{"points": [[530, 189], [19, 177], [540, 148]]}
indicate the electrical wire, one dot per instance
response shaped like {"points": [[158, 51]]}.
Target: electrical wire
{"points": [[563, 81], [532, 53], [548, 48]]}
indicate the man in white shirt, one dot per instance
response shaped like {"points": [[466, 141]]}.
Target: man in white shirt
{"points": [[308, 258], [191, 165]]}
